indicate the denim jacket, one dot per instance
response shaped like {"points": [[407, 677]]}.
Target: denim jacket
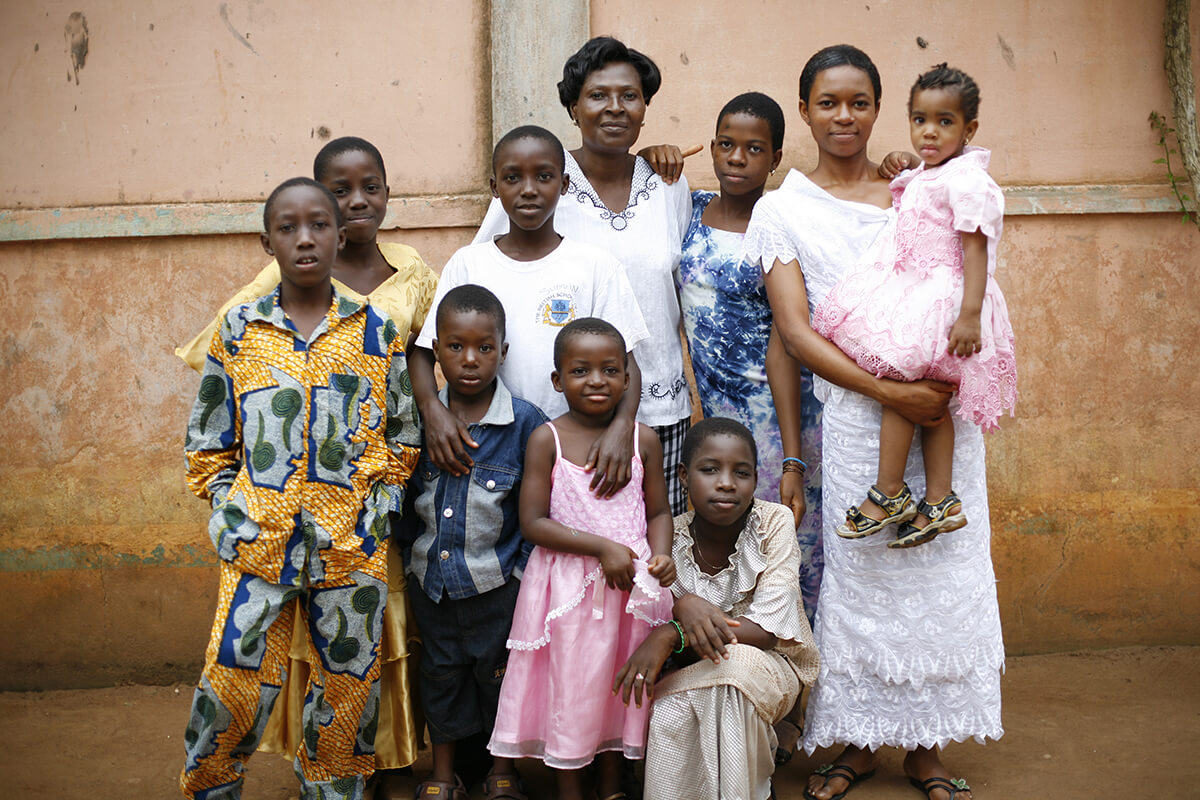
{"points": [[461, 535]]}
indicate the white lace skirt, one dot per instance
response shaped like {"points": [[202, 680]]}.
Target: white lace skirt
{"points": [[910, 641]]}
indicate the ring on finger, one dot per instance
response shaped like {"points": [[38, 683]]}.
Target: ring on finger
{"points": [[639, 677]]}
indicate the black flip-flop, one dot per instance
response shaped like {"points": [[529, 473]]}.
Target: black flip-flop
{"points": [[843, 771], [951, 786]]}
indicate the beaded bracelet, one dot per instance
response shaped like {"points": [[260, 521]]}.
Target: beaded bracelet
{"points": [[793, 464], [682, 638]]}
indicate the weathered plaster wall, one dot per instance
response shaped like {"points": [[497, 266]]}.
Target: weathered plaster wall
{"points": [[105, 573]]}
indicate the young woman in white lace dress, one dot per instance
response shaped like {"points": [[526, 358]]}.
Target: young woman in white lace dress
{"points": [[911, 650]]}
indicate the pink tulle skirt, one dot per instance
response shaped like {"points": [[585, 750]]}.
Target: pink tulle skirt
{"points": [[571, 634]]}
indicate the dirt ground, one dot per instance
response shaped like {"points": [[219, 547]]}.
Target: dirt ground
{"points": [[1080, 725]]}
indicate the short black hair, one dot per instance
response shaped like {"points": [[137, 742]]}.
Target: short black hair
{"points": [[346, 144], [471, 298], [585, 326], [838, 55], [759, 105], [292, 183], [953, 80], [598, 53], [706, 429], [532, 132]]}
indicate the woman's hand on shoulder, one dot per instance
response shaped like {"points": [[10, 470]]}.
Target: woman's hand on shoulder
{"points": [[663, 568], [896, 162], [610, 458], [667, 159], [636, 677], [921, 402], [707, 628], [447, 439]]}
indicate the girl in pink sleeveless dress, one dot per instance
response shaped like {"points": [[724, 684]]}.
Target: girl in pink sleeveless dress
{"points": [[594, 585], [930, 308]]}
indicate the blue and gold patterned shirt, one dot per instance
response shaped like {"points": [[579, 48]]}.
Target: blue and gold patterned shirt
{"points": [[302, 446]]}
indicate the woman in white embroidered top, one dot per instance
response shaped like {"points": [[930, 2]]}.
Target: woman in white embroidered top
{"points": [[741, 638], [910, 639], [616, 201]]}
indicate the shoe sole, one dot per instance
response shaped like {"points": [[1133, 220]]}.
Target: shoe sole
{"points": [[901, 518], [930, 532]]}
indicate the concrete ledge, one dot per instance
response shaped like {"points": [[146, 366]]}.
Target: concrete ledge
{"points": [[198, 219], [467, 210]]}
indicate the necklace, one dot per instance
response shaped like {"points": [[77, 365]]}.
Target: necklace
{"points": [[698, 552]]}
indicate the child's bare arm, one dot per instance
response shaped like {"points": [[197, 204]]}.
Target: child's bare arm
{"points": [[965, 333], [611, 454], [445, 434], [783, 378], [659, 528], [539, 529], [751, 633]]}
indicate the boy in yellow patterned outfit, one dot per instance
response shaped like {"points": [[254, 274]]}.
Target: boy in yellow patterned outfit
{"points": [[298, 439]]}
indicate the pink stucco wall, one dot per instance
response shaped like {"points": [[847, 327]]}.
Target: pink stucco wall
{"points": [[104, 566]]}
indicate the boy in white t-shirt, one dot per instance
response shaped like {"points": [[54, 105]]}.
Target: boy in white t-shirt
{"points": [[543, 281]]}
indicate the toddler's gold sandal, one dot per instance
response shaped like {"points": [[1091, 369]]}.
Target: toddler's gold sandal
{"points": [[898, 508], [944, 516]]}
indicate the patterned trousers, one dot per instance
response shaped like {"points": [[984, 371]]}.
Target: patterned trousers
{"points": [[671, 437], [244, 666]]}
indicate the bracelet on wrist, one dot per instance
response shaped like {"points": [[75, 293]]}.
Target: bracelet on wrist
{"points": [[793, 464], [682, 638]]}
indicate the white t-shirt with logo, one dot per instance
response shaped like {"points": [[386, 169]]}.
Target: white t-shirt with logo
{"points": [[539, 298]]}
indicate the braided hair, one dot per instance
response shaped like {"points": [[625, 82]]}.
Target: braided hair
{"points": [[950, 79]]}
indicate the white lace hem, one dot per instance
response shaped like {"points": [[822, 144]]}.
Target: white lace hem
{"points": [[646, 592]]}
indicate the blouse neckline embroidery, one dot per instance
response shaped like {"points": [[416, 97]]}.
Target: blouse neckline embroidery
{"points": [[644, 182]]}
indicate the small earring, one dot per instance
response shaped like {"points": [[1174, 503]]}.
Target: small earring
{"points": [[575, 122], [772, 172]]}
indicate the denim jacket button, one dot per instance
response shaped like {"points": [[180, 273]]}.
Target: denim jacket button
{"points": [[448, 512], [491, 484], [445, 554]]}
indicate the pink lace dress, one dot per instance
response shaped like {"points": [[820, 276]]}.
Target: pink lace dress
{"points": [[893, 314], [571, 633]]}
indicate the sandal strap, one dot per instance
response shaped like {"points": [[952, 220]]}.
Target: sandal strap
{"points": [[951, 786], [444, 790], [892, 505], [937, 511], [843, 771]]}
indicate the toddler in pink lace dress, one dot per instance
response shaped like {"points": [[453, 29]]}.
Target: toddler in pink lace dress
{"points": [[929, 307], [593, 586]]}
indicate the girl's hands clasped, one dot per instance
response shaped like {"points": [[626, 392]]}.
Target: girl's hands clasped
{"points": [[707, 628]]}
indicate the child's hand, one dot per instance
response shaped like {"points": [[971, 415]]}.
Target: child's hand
{"points": [[896, 162], [965, 336], [636, 678], [667, 159], [707, 627], [663, 568], [617, 562]]}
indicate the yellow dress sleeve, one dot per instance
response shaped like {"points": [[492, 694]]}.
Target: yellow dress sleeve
{"points": [[193, 353], [406, 296]]}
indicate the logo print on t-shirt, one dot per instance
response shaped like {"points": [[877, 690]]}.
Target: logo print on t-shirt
{"points": [[558, 311]]}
